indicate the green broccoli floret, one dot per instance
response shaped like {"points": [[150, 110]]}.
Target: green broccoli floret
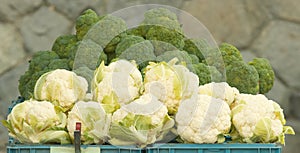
{"points": [[41, 59], [230, 53], [182, 56], [111, 46], [265, 72], [59, 64], [63, 45], [162, 17], [194, 58], [88, 54], [127, 42], [106, 29], [205, 73], [137, 49], [164, 38], [242, 76], [196, 47], [160, 12], [84, 22]]}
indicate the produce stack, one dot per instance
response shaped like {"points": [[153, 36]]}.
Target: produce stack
{"points": [[143, 85]]}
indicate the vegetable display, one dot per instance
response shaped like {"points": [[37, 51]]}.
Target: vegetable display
{"points": [[142, 85]]}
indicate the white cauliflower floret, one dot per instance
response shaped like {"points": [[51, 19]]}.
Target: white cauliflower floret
{"points": [[62, 87], [202, 118], [219, 90], [120, 82], [170, 83], [258, 119], [140, 122]]}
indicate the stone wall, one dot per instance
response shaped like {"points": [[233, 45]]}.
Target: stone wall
{"points": [[259, 28]]}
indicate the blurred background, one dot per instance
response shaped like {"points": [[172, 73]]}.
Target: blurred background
{"points": [[259, 28]]}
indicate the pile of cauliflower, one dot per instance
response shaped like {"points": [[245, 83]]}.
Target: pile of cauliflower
{"points": [[144, 85], [128, 107]]}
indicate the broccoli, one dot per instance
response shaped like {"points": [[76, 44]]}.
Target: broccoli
{"points": [[136, 48], [160, 12], [194, 58], [84, 22], [88, 54], [242, 76], [41, 59], [127, 42], [182, 56], [196, 47], [230, 53], [63, 45], [111, 46], [265, 72], [106, 29], [161, 17], [205, 73], [59, 64], [160, 34]]}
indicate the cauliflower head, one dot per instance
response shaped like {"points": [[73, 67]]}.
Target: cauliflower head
{"points": [[203, 119], [259, 120], [94, 121], [170, 83], [61, 87], [48, 126], [219, 90], [116, 84], [141, 122]]}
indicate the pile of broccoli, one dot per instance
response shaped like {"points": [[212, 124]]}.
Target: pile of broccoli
{"points": [[159, 37]]}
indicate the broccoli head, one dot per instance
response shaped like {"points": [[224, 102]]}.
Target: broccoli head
{"points": [[160, 12], [63, 45], [194, 58], [196, 47], [87, 54], [137, 49], [106, 29], [41, 59], [59, 64], [169, 38], [182, 56], [265, 72], [111, 46], [230, 53], [127, 42], [206, 74], [84, 22], [243, 76], [161, 17]]}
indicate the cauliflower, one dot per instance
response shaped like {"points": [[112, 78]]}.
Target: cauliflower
{"points": [[219, 90], [95, 122], [203, 119], [116, 84], [61, 87], [170, 83], [142, 122], [259, 120], [26, 126]]}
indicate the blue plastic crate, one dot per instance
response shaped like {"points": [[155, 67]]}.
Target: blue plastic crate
{"points": [[48, 148], [214, 148]]}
